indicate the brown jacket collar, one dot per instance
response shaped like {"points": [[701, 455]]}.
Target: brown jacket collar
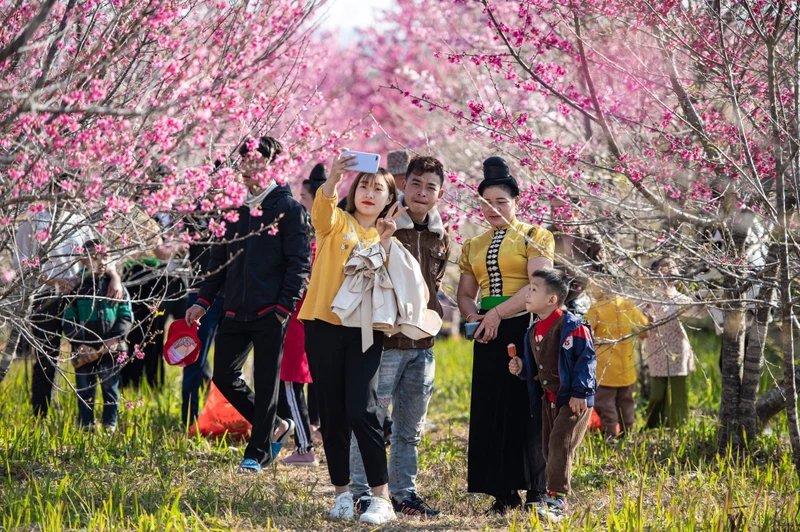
{"points": [[435, 223]]}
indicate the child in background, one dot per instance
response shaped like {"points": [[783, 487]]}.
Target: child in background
{"points": [[559, 358], [615, 320], [668, 355], [96, 327]]}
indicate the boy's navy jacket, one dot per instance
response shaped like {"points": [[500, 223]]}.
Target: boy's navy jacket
{"points": [[577, 365], [263, 271]]}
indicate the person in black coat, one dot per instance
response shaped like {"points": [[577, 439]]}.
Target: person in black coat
{"points": [[264, 261]]}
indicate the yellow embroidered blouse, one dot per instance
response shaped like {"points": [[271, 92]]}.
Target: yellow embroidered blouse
{"points": [[498, 259], [335, 241]]}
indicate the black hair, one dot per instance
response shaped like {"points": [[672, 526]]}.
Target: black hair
{"points": [[662, 262], [90, 247], [268, 147], [497, 174], [317, 178], [554, 283], [424, 164]]}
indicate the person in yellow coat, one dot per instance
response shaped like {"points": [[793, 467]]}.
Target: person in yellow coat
{"points": [[615, 322]]}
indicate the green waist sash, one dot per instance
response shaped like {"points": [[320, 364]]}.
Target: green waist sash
{"points": [[489, 302]]}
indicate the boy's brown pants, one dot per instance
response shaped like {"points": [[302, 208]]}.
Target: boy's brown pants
{"points": [[562, 432]]}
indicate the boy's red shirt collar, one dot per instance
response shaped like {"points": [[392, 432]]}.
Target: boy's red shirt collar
{"points": [[544, 325]]}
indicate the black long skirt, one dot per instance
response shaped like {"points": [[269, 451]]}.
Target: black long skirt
{"points": [[505, 440]]}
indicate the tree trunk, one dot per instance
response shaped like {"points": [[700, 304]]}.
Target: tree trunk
{"points": [[786, 274], [6, 358], [751, 370], [787, 336], [731, 368], [774, 401]]}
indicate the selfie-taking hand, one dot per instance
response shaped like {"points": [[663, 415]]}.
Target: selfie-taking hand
{"points": [[341, 164]]}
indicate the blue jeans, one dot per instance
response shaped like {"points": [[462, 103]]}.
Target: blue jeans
{"points": [[195, 373], [406, 381], [86, 378]]}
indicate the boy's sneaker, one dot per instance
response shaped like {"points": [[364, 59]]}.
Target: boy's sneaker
{"points": [[553, 508], [414, 506], [380, 512], [307, 459], [362, 503], [343, 507]]}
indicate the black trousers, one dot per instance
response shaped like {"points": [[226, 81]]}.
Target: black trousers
{"points": [[46, 324], [505, 441], [347, 383], [233, 343], [292, 405], [313, 407]]}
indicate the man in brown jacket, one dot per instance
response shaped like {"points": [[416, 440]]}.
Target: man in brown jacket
{"points": [[407, 366]]}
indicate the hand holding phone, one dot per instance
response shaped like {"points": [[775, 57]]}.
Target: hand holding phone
{"points": [[341, 164], [470, 328], [365, 162]]}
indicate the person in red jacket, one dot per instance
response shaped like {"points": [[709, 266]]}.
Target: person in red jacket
{"points": [[294, 366]]}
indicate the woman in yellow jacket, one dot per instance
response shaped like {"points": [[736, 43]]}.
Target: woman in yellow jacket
{"points": [[345, 376]]}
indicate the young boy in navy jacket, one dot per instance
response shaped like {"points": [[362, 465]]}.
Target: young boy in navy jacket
{"points": [[559, 364]]}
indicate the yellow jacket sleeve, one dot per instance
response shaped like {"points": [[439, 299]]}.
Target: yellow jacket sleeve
{"points": [[326, 217]]}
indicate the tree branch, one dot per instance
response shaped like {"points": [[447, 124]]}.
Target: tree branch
{"points": [[15, 45]]}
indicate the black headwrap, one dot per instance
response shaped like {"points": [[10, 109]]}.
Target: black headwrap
{"points": [[496, 172]]}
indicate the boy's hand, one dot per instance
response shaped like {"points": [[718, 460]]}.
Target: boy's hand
{"points": [[515, 365], [578, 406]]}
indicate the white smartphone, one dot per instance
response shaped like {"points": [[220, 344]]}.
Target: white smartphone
{"points": [[365, 162]]}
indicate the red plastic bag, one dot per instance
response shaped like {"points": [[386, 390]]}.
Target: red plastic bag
{"points": [[218, 417], [594, 422]]}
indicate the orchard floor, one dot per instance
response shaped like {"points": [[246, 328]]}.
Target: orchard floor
{"points": [[149, 476]]}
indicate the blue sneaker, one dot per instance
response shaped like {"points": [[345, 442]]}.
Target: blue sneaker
{"points": [[277, 445], [249, 466]]}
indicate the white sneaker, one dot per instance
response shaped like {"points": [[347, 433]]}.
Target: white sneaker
{"points": [[343, 508], [380, 511]]}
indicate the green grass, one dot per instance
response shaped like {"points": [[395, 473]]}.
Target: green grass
{"points": [[149, 476]]}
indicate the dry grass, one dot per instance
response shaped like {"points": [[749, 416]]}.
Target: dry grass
{"points": [[148, 476]]}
